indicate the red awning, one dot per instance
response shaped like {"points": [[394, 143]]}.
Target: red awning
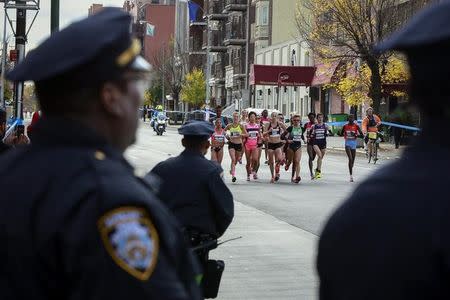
{"points": [[324, 73], [281, 75]]}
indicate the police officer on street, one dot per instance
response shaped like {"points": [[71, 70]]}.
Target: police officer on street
{"points": [[75, 221], [192, 187], [391, 239]]}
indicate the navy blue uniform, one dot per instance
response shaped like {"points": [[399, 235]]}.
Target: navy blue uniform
{"points": [[391, 239], [77, 224], [193, 189]]}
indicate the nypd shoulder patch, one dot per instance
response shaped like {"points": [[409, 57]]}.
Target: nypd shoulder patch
{"points": [[131, 240]]}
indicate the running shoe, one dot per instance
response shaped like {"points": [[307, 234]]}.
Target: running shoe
{"points": [[255, 176], [277, 177], [272, 180], [233, 179], [351, 179], [286, 167], [319, 175], [277, 168], [266, 162], [316, 173], [248, 177], [240, 161], [297, 180]]}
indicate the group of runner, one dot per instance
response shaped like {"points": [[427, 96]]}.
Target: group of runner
{"points": [[249, 133]]}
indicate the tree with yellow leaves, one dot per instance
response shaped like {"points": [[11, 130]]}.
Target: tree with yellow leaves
{"points": [[193, 90], [346, 30], [354, 87]]}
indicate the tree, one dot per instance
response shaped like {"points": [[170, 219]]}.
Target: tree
{"points": [[171, 66], [194, 90], [348, 29], [354, 87], [153, 95]]}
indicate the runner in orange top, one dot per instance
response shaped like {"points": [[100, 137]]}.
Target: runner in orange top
{"points": [[351, 131]]}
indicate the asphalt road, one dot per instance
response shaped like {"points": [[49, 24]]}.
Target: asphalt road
{"points": [[279, 223], [305, 206]]}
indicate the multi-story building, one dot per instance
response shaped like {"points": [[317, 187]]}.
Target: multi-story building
{"points": [[95, 8], [275, 39], [226, 39]]}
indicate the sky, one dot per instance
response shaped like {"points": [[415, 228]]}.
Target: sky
{"points": [[70, 11]]}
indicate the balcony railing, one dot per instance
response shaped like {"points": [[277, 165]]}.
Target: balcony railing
{"points": [[216, 41], [236, 5], [195, 45], [235, 34], [218, 70], [261, 31], [215, 9], [238, 66]]}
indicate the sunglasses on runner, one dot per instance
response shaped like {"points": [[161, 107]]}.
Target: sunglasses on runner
{"points": [[296, 120]]}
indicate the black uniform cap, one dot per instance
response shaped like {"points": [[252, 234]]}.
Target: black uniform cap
{"points": [[199, 129], [91, 51]]}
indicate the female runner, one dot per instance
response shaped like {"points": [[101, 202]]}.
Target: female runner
{"points": [[275, 146], [237, 132]]}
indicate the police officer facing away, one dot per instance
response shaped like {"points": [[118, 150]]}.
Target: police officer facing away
{"points": [[192, 186], [75, 221], [391, 239]]}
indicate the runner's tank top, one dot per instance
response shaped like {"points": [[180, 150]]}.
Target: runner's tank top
{"points": [[253, 133], [350, 131], [236, 131], [320, 132], [218, 136], [274, 131], [296, 134]]}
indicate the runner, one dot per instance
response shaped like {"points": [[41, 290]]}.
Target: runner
{"points": [[260, 147], [244, 117], [294, 135], [237, 132], [265, 120], [310, 142], [350, 132], [319, 133], [217, 142], [275, 146], [251, 145]]}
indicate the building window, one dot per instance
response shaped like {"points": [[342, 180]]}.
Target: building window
{"points": [[263, 14]]}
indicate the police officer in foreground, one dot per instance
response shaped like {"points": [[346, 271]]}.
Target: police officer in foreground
{"points": [[391, 239], [75, 221], [192, 187]]}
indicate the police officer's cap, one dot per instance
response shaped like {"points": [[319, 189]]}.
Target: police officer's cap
{"points": [[94, 50], [200, 129], [429, 27]]}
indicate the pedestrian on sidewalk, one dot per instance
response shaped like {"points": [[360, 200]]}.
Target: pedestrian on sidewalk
{"points": [[390, 240], [351, 131], [76, 223], [144, 113]]}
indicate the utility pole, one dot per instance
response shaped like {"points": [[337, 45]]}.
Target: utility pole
{"points": [[208, 58], [54, 25], [4, 61], [21, 37]]}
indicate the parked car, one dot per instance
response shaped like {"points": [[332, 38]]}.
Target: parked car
{"points": [[175, 117]]}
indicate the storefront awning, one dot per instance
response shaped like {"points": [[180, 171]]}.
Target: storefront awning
{"points": [[324, 73], [281, 75]]}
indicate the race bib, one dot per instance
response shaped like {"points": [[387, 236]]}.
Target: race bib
{"points": [[253, 134], [351, 135], [297, 138], [275, 132], [220, 138], [372, 135], [235, 134]]}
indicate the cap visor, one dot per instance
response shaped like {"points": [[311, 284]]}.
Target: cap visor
{"points": [[140, 65]]}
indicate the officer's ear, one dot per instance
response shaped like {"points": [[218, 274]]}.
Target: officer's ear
{"points": [[111, 99]]}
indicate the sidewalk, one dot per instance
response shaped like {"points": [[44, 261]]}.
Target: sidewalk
{"points": [[273, 260], [386, 150]]}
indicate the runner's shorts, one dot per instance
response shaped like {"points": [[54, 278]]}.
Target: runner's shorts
{"points": [[275, 146], [351, 144], [321, 143], [237, 147]]}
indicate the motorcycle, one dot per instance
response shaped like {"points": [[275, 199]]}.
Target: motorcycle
{"points": [[159, 124]]}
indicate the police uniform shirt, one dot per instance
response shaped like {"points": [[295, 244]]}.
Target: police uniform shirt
{"points": [[391, 239], [77, 224], [193, 189]]}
